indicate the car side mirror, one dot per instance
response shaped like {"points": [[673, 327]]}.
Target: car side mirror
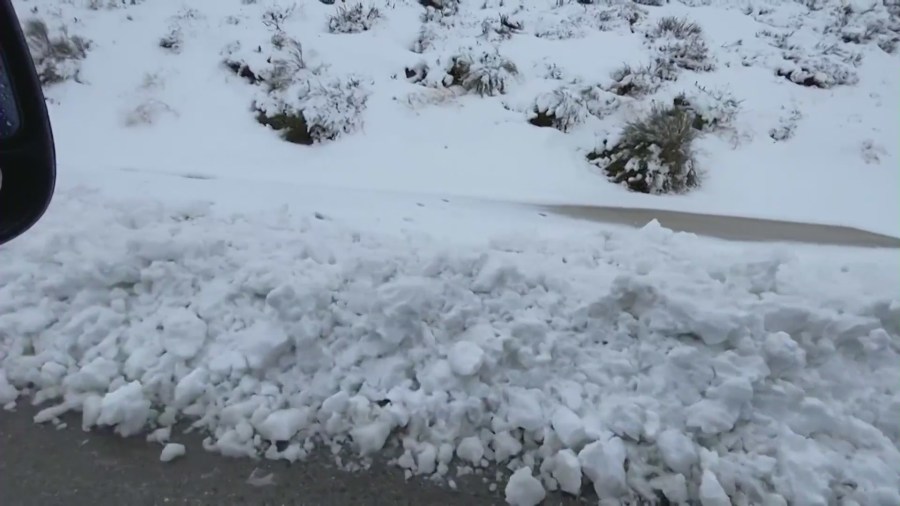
{"points": [[27, 153]]}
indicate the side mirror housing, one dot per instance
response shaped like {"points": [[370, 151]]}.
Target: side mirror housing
{"points": [[27, 153]]}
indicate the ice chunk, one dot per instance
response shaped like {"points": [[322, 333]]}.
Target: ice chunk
{"points": [[523, 489], [171, 452], [711, 491], [603, 462], [677, 451], [183, 333], [283, 424], [568, 427], [567, 471], [126, 408], [465, 358]]}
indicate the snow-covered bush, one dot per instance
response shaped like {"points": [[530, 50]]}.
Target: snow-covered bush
{"points": [[830, 66], [485, 73], [354, 19], [652, 3], [787, 125], [655, 153], [277, 15], [500, 28], [96, 5], [679, 42], [56, 58], [636, 81], [172, 41], [314, 110], [713, 109], [566, 107], [867, 23]]}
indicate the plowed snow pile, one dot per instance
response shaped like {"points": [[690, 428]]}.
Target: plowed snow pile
{"points": [[646, 363]]}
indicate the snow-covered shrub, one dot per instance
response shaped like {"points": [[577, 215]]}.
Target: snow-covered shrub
{"points": [[863, 24], [871, 152], [354, 19], [831, 66], [172, 41], [654, 154], [486, 73], [277, 15], [679, 42], [652, 3], [500, 28], [787, 125], [312, 111], [444, 6], [96, 5], [566, 107], [713, 109], [636, 81], [57, 58]]}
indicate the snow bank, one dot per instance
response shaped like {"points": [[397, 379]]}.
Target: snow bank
{"points": [[638, 361]]}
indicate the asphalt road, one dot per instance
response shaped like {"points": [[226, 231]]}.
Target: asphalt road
{"points": [[41, 465], [731, 227]]}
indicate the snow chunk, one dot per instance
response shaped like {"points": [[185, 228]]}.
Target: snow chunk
{"points": [[677, 450], [711, 491], [183, 333], [190, 387], [262, 344], [567, 471], [470, 449], [126, 408], [171, 452], [603, 463], [525, 408], [8, 393], [523, 489], [283, 424], [568, 427], [465, 358], [371, 437]]}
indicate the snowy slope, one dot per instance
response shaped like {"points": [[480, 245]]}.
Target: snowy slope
{"points": [[837, 162]]}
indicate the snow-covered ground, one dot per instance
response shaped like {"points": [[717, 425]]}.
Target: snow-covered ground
{"points": [[836, 162], [374, 293]]}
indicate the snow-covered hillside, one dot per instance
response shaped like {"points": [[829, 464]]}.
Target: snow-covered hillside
{"points": [[372, 292], [799, 97]]}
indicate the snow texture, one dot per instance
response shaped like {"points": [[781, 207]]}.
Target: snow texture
{"points": [[639, 361]]}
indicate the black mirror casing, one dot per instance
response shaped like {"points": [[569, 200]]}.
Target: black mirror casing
{"points": [[27, 153]]}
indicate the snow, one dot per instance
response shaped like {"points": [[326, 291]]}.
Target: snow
{"points": [[424, 138], [376, 292], [171, 452], [524, 489]]}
